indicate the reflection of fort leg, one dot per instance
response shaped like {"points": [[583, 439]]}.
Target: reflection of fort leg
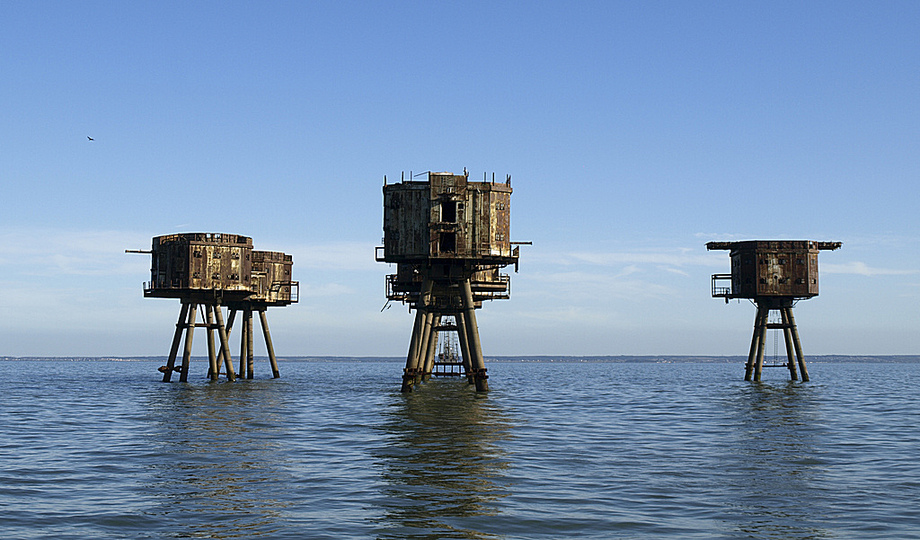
{"points": [[189, 334], [177, 339], [213, 368], [464, 347], [787, 337], [224, 342], [476, 360], [797, 344], [268, 344]]}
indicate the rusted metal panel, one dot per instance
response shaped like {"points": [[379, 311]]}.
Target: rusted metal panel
{"points": [[406, 217], [189, 262], [771, 268], [271, 279], [453, 219]]}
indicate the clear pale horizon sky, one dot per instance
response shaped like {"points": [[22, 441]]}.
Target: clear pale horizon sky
{"points": [[635, 132]]}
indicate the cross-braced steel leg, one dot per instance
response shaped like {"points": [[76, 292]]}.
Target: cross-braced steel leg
{"points": [[432, 348], [213, 368], [477, 361], [465, 347], [798, 344], [189, 334], [224, 343], [787, 338], [268, 344], [177, 340], [413, 369], [755, 357], [250, 350]]}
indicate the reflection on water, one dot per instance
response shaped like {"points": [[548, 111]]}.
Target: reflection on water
{"points": [[220, 458], [442, 466], [774, 456]]}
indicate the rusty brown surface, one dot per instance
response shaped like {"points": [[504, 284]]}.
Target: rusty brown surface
{"points": [[219, 268], [770, 268], [447, 217]]}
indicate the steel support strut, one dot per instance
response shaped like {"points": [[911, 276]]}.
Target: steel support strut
{"points": [[177, 340], [465, 347], [189, 334], [268, 344], [476, 359], [798, 344], [213, 367], [224, 343], [787, 338], [411, 374]]}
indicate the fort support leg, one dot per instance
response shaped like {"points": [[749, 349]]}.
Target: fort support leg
{"points": [[428, 337], [177, 339], [787, 335], [755, 343], [189, 334], [477, 361], [268, 344], [797, 344], [243, 343], [224, 344], [250, 360], [411, 373], [432, 344], [231, 316], [464, 347], [423, 345], [763, 315], [213, 368], [412, 358]]}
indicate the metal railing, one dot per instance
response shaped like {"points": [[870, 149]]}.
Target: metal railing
{"points": [[721, 285]]}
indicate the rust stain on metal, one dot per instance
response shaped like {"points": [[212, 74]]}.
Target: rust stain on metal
{"points": [[209, 271], [773, 274], [449, 238], [770, 268]]}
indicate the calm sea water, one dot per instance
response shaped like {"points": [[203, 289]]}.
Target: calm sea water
{"points": [[555, 450]]}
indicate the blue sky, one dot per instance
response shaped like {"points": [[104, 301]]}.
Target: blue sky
{"points": [[634, 132]]}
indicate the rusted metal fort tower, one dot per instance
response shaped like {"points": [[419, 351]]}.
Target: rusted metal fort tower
{"points": [[449, 237], [774, 275], [210, 270]]}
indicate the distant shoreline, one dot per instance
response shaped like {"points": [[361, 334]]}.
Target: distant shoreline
{"points": [[612, 359]]}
